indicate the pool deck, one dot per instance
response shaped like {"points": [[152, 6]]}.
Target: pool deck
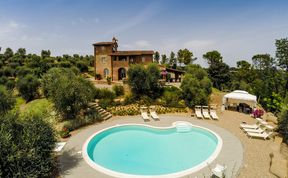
{"points": [[72, 165]]}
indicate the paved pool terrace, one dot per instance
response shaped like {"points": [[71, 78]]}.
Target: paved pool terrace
{"points": [[72, 164]]}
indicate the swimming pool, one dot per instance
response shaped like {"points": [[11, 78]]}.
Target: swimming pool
{"points": [[136, 150]]}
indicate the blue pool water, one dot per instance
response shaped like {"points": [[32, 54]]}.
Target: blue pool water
{"points": [[141, 150]]}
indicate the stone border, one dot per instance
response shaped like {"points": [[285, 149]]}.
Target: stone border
{"points": [[72, 164]]}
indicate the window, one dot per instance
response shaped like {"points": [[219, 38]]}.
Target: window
{"points": [[102, 48], [106, 72], [103, 59], [143, 59]]}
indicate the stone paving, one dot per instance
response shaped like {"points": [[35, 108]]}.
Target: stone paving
{"points": [[72, 165]]}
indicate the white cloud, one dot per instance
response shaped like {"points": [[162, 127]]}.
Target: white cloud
{"points": [[9, 27], [142, 44]]}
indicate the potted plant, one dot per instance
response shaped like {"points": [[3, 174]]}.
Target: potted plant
{"points": [[64, 133], [109, 80]]}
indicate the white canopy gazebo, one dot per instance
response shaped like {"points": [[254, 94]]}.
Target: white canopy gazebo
{"points": [[239, 96]]}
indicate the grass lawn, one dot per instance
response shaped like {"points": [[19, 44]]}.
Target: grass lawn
{"points": [[39, 106]]}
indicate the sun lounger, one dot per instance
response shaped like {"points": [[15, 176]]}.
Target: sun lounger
{"points": [[249, 126], [214, 115], [59, 146], [263, 135], [198, 112], [205, 112], [258, 130], [144, 113], [153, 113]]}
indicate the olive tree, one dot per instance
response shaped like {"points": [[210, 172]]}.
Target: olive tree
{"points": [[26, 146], [28, 87], [144, 81], [69, 93], [196, 86], [7, 102]]}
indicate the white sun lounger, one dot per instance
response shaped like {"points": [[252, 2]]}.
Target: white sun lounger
{"points": [[198, 112], [214, 115], [153, 113], [263, 135], [144, 113], [205, 112], [59, 146], [258, 130], [249, 126]]}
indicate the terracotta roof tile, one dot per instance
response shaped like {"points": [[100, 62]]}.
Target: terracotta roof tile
{"points": [[136, 52], [103, 43]]}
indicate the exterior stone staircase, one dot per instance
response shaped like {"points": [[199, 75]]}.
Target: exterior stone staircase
{"points": [[104, 115]]}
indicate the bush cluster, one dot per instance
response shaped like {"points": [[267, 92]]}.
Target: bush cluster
{"points": [[196, 86], [26, 147], [144, 81], [28, 87], [172, 97], [7, 102], [134, 109], [118, 90]]}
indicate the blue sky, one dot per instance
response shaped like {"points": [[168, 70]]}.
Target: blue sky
{"points": [[238, 29]]}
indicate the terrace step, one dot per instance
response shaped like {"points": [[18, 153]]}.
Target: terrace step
{"points": [[104, 115], [107, 117], [183, 127]]}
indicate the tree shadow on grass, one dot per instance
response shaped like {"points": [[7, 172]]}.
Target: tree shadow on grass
{"points": [[68, 160]]}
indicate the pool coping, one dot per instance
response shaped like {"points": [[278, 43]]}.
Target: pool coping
{"points": [[185, 172]]}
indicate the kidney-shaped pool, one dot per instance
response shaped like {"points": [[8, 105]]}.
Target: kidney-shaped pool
{"points": [[136, 150]]}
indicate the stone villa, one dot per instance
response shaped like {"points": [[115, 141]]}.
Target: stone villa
{"points": [[109, 62]]}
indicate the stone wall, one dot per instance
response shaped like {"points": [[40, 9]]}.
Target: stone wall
{"points": [[102, 62], [116, 66]]}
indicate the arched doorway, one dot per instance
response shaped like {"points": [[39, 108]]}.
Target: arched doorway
{"points": [[121, 73], [106, 72]]}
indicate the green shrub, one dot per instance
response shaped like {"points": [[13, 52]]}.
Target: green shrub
{"points": [[109, 80], [64, 133], [3, 80], [23, 71], [133, 109], [104, 93], [65, 64], [10, 84], [26, 147], [118, 90], [171, 97], [105, 103], [69, 93], [82, 66], [273, 103], [7, 101], [196, 87], [283, 124], [90, 117], [75, 70], [28, 87], [144, 81], [130, 110], [9, 72], [129, 99]]}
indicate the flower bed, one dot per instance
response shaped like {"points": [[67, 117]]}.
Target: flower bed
{"points": [[134, 109]]}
